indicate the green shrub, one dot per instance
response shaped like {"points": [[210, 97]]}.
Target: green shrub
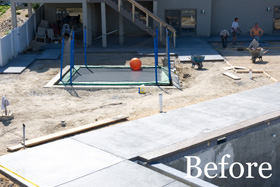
{"points": [[26, 15], [3, 9], [18, 13], [18, 8], [35, 6]]}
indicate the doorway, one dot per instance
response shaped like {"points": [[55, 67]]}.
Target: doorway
{"points": [[184, 21], [276, 20]]}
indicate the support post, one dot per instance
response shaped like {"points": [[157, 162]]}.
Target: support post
{"points": [[14, 15], [29, 6], [174, 39], [160, 31], [147, 21], [156, 55], [119, 5], [85, 17], [23, 137], [133, 12], [103, 20], [61, 62], [85, 45], [168, 56], [121, 30], [155, 5]]}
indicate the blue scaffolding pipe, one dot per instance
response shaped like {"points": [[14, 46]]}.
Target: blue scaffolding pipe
{"points": [[71, 56], [156, 55], [85, 42], [61, 63], [168, 55]]}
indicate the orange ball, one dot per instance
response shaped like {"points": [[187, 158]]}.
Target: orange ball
{"points": [[135, 64]]}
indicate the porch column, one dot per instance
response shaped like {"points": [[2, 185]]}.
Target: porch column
{"points": [[14, 15], [103, 23], [85, 18], [89, 24], [29, 6], [155, 7], [121, 32]]}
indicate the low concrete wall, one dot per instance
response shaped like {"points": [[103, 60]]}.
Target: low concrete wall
{"points": [[257, 146]]}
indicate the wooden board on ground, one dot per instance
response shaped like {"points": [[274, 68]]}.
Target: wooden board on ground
{"points": [[231, 75], [68, 132], [269, 76], [234, 67], [247, 71]]}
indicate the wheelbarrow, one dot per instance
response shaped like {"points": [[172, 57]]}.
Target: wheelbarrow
{"points": [[197, 60], [257, 54], [256, 51]]}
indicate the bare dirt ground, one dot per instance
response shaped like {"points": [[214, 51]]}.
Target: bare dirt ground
{"points": [[42, 109], [5, 19]]}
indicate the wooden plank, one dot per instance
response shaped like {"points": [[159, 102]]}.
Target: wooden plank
{"points": [[68, 132], [228, 68], [247, 71], [269, 76], [231, 76], [239, 67], [15, 147]]}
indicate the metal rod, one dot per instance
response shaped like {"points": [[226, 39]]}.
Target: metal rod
{"points": [[160, 102], [61, 63], [23, 138], [85, 33], [156, 55], [168, 55]]}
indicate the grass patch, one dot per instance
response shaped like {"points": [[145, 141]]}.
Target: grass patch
{"points": [[3, 9]]}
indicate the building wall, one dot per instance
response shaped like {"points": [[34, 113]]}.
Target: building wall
{"points": [[248, 12], [50, 9], [203, 27]]}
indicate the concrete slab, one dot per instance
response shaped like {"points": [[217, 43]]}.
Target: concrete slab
{"points": [[134, 138], [59, 162], [49, 54], [18, 64], [123, 174]]}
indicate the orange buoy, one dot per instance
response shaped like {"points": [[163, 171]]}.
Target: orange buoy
{"points": [[135, 64]]}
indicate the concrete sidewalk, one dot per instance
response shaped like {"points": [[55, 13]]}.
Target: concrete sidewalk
{"points": [[102, 157]]}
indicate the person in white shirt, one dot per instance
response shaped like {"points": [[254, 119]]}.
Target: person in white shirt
{"points": [[234, 28], [224, 36]]}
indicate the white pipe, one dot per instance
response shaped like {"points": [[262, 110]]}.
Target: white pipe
{"points": [[23, 135], [160, 102]]}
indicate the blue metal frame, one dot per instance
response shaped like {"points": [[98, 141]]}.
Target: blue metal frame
{"points": [[168, 56], [61, 63], [72, 56], [156, 55], [85, 46]]}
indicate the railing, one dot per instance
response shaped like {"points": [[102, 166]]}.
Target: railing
{"points": [[18, 38], [162, 24]]}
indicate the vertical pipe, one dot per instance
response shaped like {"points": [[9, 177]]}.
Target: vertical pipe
{"points": [[23, 137], [133, 12], [156, 55], [168, 55], [160, 102], [61, 62], [71, 56], [85, 50], [73, 52]]}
